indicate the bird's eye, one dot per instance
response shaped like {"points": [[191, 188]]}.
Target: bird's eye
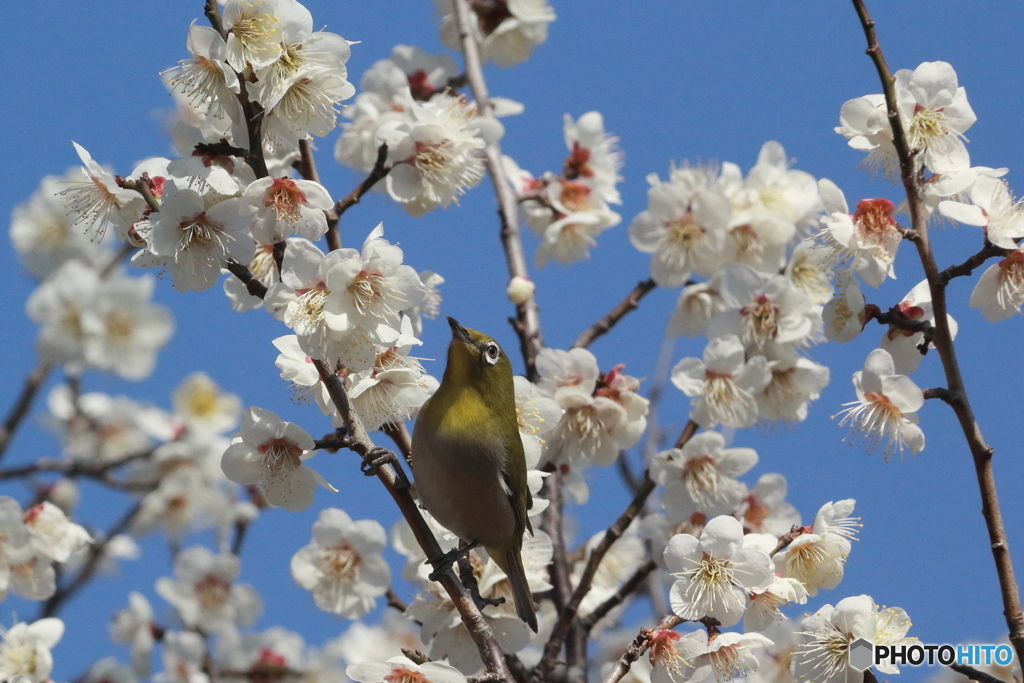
{"points": [[491, 353]]}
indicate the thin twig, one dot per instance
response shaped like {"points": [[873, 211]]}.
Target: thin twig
{"points": [[613, 316], [976, 260], [395, 601], [620, 596], [940, 393], [73, 468], [241, 532], [974, 674], [638, 647], [21, 406], [242, 272], [553, 526], [381, 168], [981, 452], [212, 11], [527, 320], [400, 435], [396, 484], [88, 570]]}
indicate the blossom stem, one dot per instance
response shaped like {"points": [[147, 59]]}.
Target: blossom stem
{"points": [[975, 261], [606, 323], [981, 452], [242, 272], [974, 674], [21, 407], [92, 562], [490, 652], [380, 169], [527, 320]]}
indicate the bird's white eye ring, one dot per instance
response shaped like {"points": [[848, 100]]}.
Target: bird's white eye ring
{"points": [[491, 353]]}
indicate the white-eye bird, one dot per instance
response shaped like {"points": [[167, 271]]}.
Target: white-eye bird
{"points": [[468, 457]]}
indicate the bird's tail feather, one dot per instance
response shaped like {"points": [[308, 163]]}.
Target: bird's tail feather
{"points": [[511, 562]]}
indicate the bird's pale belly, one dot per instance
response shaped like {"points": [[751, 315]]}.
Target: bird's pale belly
{"points": [[463, 489]]}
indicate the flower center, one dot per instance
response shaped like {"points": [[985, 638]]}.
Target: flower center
{"points": [[212, 592], [575, 196], [874, 221], [281, 457], [199, 232], [285, 198], [119, 327], [761, 320], [17, 659], [342, 562], [701, 476], [828, 651], [255, 28], [404, 675], [577, 164]]}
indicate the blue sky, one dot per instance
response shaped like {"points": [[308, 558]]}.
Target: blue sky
{"points": [[704, 81]]}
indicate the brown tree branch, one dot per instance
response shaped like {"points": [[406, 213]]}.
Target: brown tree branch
{"points": [[976, 260], [23, 404], [974, 674], [400, 435], [242, 272], [627, 589], [981, 452], [395, 601], [88, 570], [396, 484], [613, 316], [527, 320], [638, 647], [380, 169]]}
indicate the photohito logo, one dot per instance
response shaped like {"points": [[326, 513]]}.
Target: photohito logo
{"points": [[864, 654]]}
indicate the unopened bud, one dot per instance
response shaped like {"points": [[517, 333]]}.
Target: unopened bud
{"points": [[64, 494], [520, 290]]}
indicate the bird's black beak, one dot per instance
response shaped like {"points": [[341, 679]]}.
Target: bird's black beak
{"points": [[458, 331]]}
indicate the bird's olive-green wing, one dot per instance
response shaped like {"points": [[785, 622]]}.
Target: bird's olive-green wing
{"points": [[514, 473]]}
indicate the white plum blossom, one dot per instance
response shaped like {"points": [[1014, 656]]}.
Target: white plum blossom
{"points": [[796, 381], [393, 390], [765, 510], [205, 594], [867, 240], [134, 626], [59, 305], [206, 81], [259, 654], [42, 235], [184, 655], [409, 67], [537, 415], [767, 312], [97, 201], [616, 567], [684, 226], [53, 535], [430, 306], [304, 106], [934, 112], [577, 214], [783, 191], [599, 420], [844, 316], [343, 566], [993, 207], [809, 270], [715, 573], [763, 608], [885, 411], [404, 669], [902, 344], [25, 650], [935, 115], [275, 208], [506, 31], [702, 473], [723, 384], [258, 29], [697, 658], [123, 329], [195, 240], [816, 558], [594, 156], [271, 452], [1000, 289], [826, 635], [365, 292], [434, 152], [200, 403]]}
